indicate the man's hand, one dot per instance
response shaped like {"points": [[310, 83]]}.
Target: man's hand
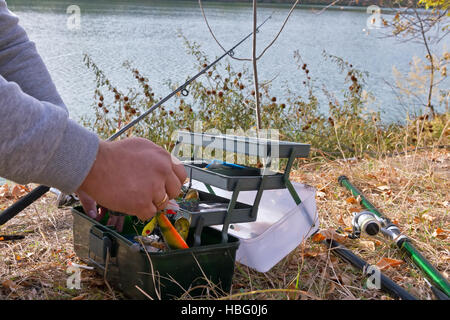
{"points": [[90, 208], [133, 176]]}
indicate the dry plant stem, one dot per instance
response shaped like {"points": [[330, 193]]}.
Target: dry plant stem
{"points": [[151, 267], [441, 136], [143, 292], [105, 274], [279, 32], [234, 296], [255, 71], [430, 90], [322, 10], [268, 46], [212, 33]]}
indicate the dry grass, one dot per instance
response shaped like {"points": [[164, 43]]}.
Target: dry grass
{"points": [[411, 189], [35, 267]]}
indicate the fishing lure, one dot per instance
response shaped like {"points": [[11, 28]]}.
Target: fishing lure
{"points": [[192, 195], [149, 227], [173, 239], [182, 224], [170, 233]]}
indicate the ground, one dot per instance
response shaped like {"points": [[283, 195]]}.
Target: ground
{"points": [[411, 189]]}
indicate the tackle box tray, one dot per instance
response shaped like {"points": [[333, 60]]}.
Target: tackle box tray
{"points": [[214, 209], [227, 178], [166, 275], [251, 146]]}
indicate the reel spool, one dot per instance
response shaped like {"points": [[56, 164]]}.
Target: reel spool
{"points": [[367, 222]]}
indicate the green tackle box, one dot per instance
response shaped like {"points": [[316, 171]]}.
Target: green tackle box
{"points": [[208, 264], [128, 267]]}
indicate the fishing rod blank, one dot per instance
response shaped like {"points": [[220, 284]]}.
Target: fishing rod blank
{"points": [[386, 284], [39, 191], [392, 231]]}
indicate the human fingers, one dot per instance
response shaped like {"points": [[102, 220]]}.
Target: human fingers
{"points": [[178, 169], [119, 223], [112, 220], [101, 213], [160, 199], [89, 204], [173, 186]]}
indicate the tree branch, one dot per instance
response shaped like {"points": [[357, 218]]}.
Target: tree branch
{"points": [[212, 33], [255, 71], [279, 32]]}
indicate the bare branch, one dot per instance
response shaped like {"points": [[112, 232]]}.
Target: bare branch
{"points": [[325, 8], [212, 33], [279, 32], [255, 71]]}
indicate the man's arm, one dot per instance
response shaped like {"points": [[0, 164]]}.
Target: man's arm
{"points": [[38, 142], [20, 61]]}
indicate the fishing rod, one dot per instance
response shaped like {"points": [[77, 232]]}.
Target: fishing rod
{"points": [[385, 283], [367, 221], [39, 191]]}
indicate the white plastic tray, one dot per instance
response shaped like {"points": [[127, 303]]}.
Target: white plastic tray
{"points": [[280, 227]]}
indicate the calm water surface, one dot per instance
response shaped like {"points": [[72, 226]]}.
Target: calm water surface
{"points": [[145, 33]]}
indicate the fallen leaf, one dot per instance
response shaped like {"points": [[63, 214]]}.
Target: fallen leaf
{"points": [[309, 253], [367, 244], [333, 259], [9, 284], [80, 297], [440, 233], [386, 263], [320, 194], [428, 217], [369, 175], [332, 287], [383, 188], [318, 237], [4, 191], [351, 200], [410, 200], [333, 235], [70, 256], [354, 210], [18, 191], [378, 242]]}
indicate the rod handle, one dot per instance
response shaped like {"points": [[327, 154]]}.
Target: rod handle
{"points": [[21, 204]]}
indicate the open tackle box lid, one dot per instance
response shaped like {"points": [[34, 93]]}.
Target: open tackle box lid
{"points": [[280, 227], [282, 214]]}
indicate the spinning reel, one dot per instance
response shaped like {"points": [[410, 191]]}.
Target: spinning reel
{"points": [[367, 222]]}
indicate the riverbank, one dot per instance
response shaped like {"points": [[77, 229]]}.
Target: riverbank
{"points": [[354, 3], [411, 189]]}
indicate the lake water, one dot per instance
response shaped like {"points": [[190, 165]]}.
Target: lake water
{"points": [[145, 33]]}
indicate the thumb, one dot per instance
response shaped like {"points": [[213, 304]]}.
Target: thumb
{"points": [[89, 204]]}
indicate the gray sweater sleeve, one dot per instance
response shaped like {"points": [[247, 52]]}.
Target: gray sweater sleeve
{"points": [[38, 141]]}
